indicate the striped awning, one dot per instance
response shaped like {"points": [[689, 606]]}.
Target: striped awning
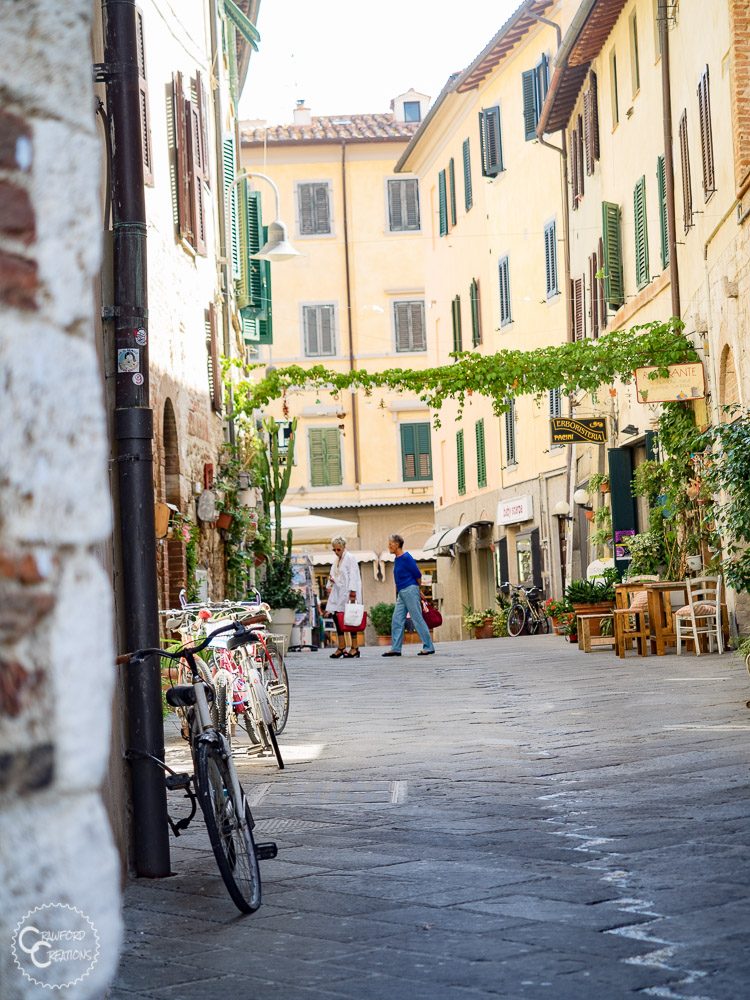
{"points": [[242, 23]]}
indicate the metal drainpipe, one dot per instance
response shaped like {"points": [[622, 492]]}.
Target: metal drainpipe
{"points": [[355, 423], [134, 436], [666, 99]]}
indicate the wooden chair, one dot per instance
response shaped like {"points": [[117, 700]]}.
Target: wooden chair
{"points": [[701, 615], [631, 616]]}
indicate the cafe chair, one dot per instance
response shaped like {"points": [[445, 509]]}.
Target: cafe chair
{"points": [[701, 615], [631, 625]]}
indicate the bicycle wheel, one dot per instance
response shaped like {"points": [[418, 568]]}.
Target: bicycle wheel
{"points": [[543, 623], [223, 710], [532, 622], [276, 681], [516, 620], [231, 840]]}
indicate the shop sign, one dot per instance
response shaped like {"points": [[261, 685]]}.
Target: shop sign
{"points": [[567, 430], [686, 381], [515, 509]]}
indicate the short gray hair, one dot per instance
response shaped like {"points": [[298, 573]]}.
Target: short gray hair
{"points": [[338, 540], [398, 539]]}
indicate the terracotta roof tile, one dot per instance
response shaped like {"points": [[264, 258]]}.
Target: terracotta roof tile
{"points": [[332, 128]]}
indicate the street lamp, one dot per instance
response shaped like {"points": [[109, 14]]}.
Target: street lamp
{"points": [[277, 246], [582, 498]]}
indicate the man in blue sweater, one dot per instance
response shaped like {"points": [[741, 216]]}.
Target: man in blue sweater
{"points": [[408, 598]]}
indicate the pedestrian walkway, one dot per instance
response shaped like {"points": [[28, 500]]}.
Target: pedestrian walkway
{"points": [[509, 818]]}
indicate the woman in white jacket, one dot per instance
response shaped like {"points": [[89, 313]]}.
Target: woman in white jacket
{"points": [[344, 587]]}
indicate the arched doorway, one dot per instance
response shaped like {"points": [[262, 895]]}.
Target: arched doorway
{"points": [[175, 569]]}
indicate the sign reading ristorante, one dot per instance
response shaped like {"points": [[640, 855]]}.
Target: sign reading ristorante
{"points": [[567, 430]]}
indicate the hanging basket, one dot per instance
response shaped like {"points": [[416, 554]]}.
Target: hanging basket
{"points": [[224, 521]]}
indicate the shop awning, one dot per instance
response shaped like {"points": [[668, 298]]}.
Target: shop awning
{"points": [[444, 538], [242, 23], [311, 529], [433, 542], [326, 558], [419, 554]]}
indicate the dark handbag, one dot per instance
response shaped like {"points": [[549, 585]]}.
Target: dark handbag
{"points": [[351, 628], [431, 615]]}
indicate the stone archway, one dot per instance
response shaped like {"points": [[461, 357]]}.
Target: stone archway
{"points": [[728, 387], [175, 568]]}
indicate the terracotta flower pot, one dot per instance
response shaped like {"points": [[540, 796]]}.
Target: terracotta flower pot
{"points": [[484, 631], [224, 521]]}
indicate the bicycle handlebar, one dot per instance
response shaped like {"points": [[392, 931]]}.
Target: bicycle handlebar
{"points": [[139, 655]]}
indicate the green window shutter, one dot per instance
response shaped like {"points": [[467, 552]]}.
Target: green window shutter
{"points": [[456, 316], [442, 204], [229, 175], [254, 243], [468, 195], [243, 285], [325, 456], [408, 453], [452, 189], [460, 466], [416, 458], [265, 319], [614, 291], [528, 87], [510, 432], [550, 259], [504, 280], [491, 141], [661, 182], [642, 275], [476, 316], [481, 454]]}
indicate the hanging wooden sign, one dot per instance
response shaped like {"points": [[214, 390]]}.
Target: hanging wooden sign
{"points": [[569, 430], [686, 381]]}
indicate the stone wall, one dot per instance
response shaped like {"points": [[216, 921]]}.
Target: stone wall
{"points": [[56, 649]]}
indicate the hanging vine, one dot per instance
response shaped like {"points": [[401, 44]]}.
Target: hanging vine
{"points": [[581, 366]]}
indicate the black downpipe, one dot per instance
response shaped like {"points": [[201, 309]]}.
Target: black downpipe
{"points": [[134, 437]]}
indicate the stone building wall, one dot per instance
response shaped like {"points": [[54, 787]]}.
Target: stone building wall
{"points": [[56, 652]]}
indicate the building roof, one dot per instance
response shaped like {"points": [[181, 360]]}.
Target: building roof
{"points": [[332, 129], [583, 41]]}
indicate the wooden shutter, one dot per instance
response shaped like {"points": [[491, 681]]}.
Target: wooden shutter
{"points": [[410, 194], [468, 194], [408, 452], [460, 466], [182, 159], [395, 207], [687, 188], [314, 209], [491, 141], [591, 123], [418, 334], [456, 316], [409, 321], [528, 87], [594, 295], [415, 452], [424, 451], [661, 183], [504, 280], [573, 170], [550, 259], [403, 205], [254, 243], [577, 306], [322, 209], [325, 456], [481, 454], [601, 285], [229, 176], [196, 178], [452, 189], [510, 432], [326, 330], [580, 169], [611, 236], [707, 141], [148, 167], [442, 204], [476, 318], [214, 364], [555, 403], [642, 275]]}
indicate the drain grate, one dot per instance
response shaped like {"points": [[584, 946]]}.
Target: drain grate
{"points": [[289, 825]]}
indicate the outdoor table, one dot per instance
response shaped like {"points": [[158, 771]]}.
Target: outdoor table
{"points": [[660, 614]]}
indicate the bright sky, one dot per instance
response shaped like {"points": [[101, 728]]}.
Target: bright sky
{"points": [[353, 57]]}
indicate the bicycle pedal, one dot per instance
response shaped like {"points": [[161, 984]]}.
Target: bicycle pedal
{"points": [[174, 781], [266, 851], [274, 689]]}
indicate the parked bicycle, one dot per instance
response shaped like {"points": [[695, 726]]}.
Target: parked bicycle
{"points": [[217, 788], [526, 613]]}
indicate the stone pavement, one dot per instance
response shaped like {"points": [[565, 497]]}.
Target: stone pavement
{"points": [[509, 818]]}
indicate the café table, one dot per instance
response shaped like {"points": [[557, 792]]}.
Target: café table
{"points": [[661, 613]]}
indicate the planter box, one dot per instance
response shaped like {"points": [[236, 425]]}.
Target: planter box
{"points": [[484, 631]]}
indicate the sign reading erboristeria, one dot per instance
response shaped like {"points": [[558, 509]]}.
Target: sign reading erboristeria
{"points": [[566, 430], [684, 382]]}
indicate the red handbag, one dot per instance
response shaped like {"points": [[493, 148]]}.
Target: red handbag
{"points": [[431, 615], [350, 628]]}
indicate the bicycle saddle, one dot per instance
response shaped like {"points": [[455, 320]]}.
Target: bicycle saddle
{"points": [[242, 639]]}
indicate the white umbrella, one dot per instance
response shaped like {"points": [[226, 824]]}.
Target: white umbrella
{"points": [[312, 528]]}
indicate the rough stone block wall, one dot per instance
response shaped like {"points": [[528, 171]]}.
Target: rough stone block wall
{"points": [[56, 652]]}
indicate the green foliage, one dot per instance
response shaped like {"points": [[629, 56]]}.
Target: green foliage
{"points": [[556, 609], [475, 619], [238, 537], [380, 617], [648, 480], [593, 591], [728, 476], [647, 554], [500, 622], [598, 480]]}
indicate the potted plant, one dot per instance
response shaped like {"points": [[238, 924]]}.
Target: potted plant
{"points": [[590, 597], [599, 481], [380, 616], [500, 622], [556, 610], [479, 622], [569, 626]]}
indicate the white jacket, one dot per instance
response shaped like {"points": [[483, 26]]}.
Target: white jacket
{"points": [[345, 576]]}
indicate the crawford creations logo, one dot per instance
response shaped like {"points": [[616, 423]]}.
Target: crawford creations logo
{"points": [[55, 946]]}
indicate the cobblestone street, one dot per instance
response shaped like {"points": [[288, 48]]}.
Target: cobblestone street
{"points": [[508, 818]]}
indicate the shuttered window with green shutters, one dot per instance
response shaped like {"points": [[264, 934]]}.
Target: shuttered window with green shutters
{"points": [[314, 209], [534, 84], [460, 463], [416, 456], [255, 289], [468, 194], [452, 190], [403, 205], [506, 315], [442, 204], [319, 330], [491, 141], [476, 313], [661, 183], [456, 317], [481, 454], [408, 319], [325, 456], [614, 291], [510, 433], [550, 259], [642, 275], [229, 186]]}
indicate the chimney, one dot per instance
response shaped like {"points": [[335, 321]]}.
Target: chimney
{"points": [[302, 114]]}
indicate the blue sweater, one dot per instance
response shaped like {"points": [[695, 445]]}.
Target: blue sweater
{"points": [[406, 573]]}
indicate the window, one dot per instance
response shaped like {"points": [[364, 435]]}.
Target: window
{"points": [[403, 205], [460, 465], [504, 280], [601, 284], [254, 287], [412, 111], [191, 161], [230, 194], [534, 83], [510, 433], [468, 195], [416, 458], [577, 307], [576, 163], [555, 403], [661, 184], [319, 330], [687, 187], [550, 259], [215, 387], [635, 65], [456, 318], [148, 175], [613, 88], [481, 454], [325, 456], [313, 204], [591, 123], [707, 140], [491, 142], [595, 296], [452, 189], [408, 320], [614, 291], [476, 313], [642, 274], [443, 203]]}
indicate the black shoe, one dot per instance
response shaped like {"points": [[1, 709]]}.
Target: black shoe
{"points": [[392, 652], [426, 652], [338, 654], [351, 654]]}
